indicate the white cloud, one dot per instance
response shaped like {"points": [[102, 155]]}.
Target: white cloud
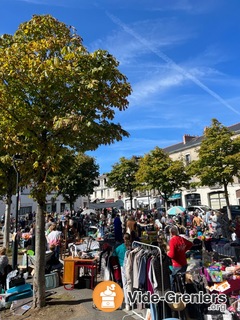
{"points": [[161, 33], [149, 87]]}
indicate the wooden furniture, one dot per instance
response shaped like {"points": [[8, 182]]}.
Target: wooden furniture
{"points": [[71, 270]]}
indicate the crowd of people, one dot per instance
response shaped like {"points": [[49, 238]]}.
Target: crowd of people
{"points": [[127, 226]]}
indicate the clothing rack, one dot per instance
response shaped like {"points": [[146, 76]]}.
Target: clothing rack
{"points": [[141, 244]]}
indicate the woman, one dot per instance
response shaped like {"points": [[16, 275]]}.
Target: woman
{"points": [[3, 266], [120, 253]]}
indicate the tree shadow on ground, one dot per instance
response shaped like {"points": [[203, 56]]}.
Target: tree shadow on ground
{"points": [[52, 301]]}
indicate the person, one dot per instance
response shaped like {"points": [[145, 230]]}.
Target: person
{"points": [[178, 246], [197, 222], [118, 229], [54, 238], [131, 225], [161, 242], [236, 228], [207, 219], [120, 252], [53, 263], [163, 220], [49, 222], [158, 225], [3, 260], [102, 224], [213, 221], [3, 265]]}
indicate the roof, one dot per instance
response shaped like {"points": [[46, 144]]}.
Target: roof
{"points": [[196, 141]]}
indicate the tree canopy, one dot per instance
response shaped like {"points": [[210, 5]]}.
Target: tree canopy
{"points": [[122, 176], [76, 177], [218, 158], [160, 172], [55, 97]]}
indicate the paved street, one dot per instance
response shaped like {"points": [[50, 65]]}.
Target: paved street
{"points": [[82, 298]]}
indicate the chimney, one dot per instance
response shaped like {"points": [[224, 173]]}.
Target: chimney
{"points": [[187, 138]]}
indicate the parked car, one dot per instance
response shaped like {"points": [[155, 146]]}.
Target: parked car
{"points": [[235, 210], [201, 209]]}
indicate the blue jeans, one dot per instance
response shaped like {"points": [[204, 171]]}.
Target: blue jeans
{"points": [[174, 272]]}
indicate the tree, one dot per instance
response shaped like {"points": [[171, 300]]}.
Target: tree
{"points": [[218, 158], [122, 176], [8, 187], [158, 171], [55, 97], [77, 177]]}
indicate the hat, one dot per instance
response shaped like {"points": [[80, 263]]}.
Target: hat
{"points": [[177, 306]]}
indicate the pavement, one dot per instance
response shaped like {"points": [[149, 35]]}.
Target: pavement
{"points": [[83, 297], [81, 300]]}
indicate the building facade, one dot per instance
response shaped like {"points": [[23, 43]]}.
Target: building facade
{"points": [[54, 203], [141, 199], [212, 196]]}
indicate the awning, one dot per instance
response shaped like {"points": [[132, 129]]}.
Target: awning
{"points": [[118, 204], [175, 196]]}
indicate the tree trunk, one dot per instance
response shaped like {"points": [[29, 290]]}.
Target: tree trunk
{"points": [[71, 208], [7, 223], [39, 300], [165, 205], [165, 198], [227, 201], [131, 199]]}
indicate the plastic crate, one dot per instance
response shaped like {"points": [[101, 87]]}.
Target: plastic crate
{"points": [[19, 292], [51, 280]]}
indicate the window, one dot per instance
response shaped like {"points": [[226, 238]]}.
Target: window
{"points": [[62, 207], [187, 158]]}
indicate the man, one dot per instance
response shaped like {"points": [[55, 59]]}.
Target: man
{"points": [[178, 246], [208, 218], [197, 221]]}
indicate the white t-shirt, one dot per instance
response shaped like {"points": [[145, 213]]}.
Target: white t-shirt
{"points": [[54, 237]]}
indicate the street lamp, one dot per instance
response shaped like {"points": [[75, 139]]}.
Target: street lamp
{"points": [[16, 159]]}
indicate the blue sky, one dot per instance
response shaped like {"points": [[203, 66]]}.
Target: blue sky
{"points": [[181, 57]]}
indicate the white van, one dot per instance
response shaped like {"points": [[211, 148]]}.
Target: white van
{"points": [[201, 209]]}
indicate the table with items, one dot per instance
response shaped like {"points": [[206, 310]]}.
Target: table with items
{"points": [[71, 270]]}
